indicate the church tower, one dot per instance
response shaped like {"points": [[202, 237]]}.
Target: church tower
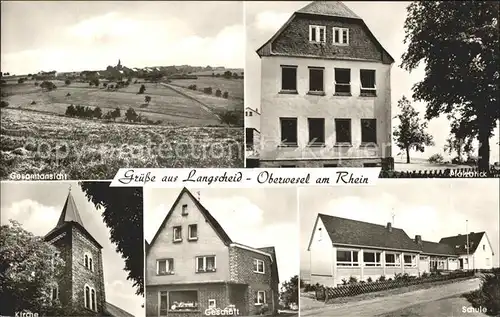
{"points": [[119, 65], [81, 288]]}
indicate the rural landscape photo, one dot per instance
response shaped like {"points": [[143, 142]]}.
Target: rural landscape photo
{"points": [[102, 92], [410, 249]]}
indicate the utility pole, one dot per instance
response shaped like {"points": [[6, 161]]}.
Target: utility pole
{"points": [[467, 230]]}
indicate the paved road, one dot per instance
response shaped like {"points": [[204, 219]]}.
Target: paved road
{"points": [[455, 306], [385, 305]]}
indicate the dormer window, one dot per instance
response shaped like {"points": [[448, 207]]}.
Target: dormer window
{"points": [[317, 34], [340, 36], [184, 210]]}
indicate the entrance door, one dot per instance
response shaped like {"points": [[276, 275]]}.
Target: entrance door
{"points": [[461, 263]]}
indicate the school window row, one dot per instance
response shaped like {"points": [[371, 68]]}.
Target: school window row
{"points": [[316, 130], [342, 81]]}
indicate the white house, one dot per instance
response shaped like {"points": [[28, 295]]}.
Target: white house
{"points": [[341, 248], [252, 134], [480, 255], [325, 92]]}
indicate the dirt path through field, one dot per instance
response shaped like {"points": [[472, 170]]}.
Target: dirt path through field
{"points": [[385, 305], [202, 105]]}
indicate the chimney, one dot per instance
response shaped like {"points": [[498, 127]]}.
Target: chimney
{"points": [[418, 239], [472, 232], [389, 227]]}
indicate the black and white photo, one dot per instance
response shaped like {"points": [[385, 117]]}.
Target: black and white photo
{"points": [[108, 84], [221, 252], [71, 249], [339, 84], [405, 248]]}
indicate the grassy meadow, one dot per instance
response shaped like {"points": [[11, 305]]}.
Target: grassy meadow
{"points": [[35, 142], [37, 136], [166, 105]]}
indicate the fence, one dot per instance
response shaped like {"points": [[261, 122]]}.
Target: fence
{"points": [[443, 173], [326, 293]]}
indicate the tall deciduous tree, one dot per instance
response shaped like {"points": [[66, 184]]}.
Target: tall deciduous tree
{"points": [[458, 41], [459, 140], [29, 270], [290, 291], [122, 213], [410, 133]]}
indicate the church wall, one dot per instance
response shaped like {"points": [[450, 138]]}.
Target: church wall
{"points": [[81, 275]]}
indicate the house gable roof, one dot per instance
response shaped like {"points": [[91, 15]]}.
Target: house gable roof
{"points": [[344, 231], [210, 219], [461, 241], [435, 248], [252, 110], [328, 9], [274, 264], [116, 311]]}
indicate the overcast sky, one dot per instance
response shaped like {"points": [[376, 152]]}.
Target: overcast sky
{"points": [[256, 217], [38, 205], [79, 35], [385, 20], [433, 209]]}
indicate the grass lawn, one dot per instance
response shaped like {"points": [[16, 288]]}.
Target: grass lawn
{"points": [[34, 142], [418, 164]]}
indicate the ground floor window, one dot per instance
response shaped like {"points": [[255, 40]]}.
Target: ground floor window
{"points": [[90, 300], [179, 301], [371, 258], [392, 259], [410, 260], [438, 264], [260, 297], [347, 258]]}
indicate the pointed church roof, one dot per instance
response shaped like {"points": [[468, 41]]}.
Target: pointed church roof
{"points": [[70, 216], [70, 212], [329, 8]]}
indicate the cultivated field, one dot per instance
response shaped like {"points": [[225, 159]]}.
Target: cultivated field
{"points": [[166, 105], [218, 104], [220, 72], [35, 142], [233, 86]]}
